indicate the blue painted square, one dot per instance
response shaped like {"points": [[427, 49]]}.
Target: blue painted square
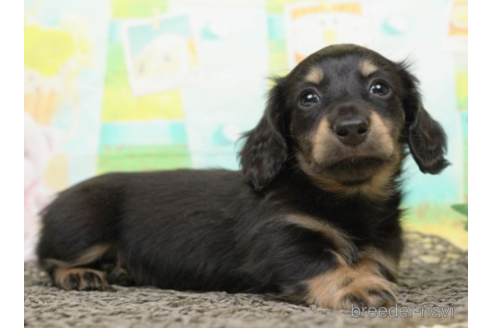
{"points": [[464, 124], [276, 27]]}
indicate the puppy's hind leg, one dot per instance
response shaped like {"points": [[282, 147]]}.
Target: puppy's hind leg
{"points": [[80, 279], [90, 271], [76, 274], [80, 235]]}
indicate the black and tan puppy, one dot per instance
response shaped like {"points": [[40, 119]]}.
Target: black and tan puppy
{"points": [[313, 217]]}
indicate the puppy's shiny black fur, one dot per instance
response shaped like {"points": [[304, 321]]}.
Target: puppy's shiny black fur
{"points": [[314, 201]]}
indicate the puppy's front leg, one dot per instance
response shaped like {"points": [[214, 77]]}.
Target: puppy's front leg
{"points": [[361, 284], [313, 262]]}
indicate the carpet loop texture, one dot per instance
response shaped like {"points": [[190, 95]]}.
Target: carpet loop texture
{"points": [[433, 288]]}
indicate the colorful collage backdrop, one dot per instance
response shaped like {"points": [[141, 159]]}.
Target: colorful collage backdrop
{"points": [[133, 85]]}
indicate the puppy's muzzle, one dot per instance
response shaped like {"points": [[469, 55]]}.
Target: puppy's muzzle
{"points": [[352, 130]]}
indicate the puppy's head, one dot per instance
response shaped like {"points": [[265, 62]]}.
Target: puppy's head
{"points": [[343, 116]]}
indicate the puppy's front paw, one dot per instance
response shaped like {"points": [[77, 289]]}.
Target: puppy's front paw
{"points": [[367, 291], [80, 279], [344, 286]]}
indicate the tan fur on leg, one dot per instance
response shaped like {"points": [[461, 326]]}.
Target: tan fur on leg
{"points": [[361, 284]]}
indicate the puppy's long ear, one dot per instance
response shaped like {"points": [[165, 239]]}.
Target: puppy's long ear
{"points": [[426, 138], [265, 149]]}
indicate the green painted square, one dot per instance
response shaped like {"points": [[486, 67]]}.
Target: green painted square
{"points": [[143, 158]]}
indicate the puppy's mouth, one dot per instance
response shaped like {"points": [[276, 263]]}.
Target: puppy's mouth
{"points": [[353, 171]]}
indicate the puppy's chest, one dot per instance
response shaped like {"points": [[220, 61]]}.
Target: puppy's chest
{"points": [[360, 222]]}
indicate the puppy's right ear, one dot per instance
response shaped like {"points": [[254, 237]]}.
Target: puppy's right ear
{"points": [[265, 149]]}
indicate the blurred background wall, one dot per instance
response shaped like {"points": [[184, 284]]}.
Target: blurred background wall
{"points": [[133, 85]]}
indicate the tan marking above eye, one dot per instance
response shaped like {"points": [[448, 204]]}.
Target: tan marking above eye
{"points": [[315, 75], [367, 68]]}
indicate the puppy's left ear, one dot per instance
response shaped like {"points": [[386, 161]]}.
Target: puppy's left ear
{"points": [[265, 149], [425, 136]]}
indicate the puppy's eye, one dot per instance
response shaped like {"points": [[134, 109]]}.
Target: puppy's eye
{"points": [[379, 89], [309, 98]]}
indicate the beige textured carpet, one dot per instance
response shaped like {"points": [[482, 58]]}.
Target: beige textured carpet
{"points": [[433, 273]]}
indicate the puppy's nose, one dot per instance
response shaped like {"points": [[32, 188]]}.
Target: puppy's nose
{"points": [[352, 131]]}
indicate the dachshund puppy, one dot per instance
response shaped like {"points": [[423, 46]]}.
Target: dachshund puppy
{"points": [[312, 217]]}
